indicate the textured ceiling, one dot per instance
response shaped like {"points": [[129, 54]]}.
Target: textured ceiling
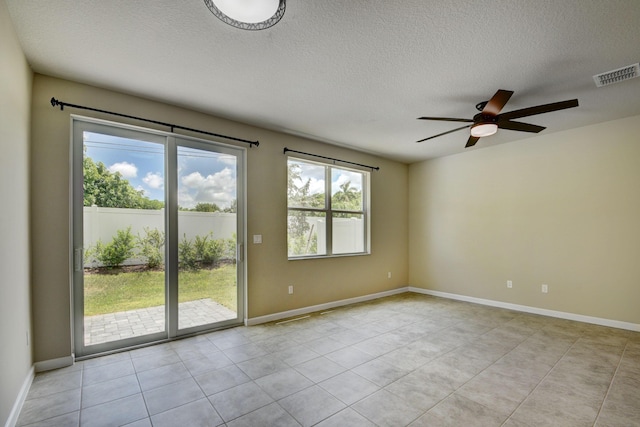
{"points": [[355, 73]]}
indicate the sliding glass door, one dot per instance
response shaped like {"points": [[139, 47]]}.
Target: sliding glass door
{"points": [[157, 234], [207, 247]]}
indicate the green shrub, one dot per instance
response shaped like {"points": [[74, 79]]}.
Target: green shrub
{"points": [[113, 254], [208, 251], [151, 246], [229, 248], [187, 258]]}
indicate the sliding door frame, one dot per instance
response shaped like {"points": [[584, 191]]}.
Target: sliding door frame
{"points": [[170, 141]]}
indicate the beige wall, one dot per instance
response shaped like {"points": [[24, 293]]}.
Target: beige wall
{"points": [[269, 273], [561, 209], [15, 315]]}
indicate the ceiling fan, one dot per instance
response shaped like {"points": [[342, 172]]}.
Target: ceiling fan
{"points": [[489, 119]]}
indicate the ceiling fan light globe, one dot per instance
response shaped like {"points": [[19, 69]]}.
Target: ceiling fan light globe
{"points": [[481, 130]]}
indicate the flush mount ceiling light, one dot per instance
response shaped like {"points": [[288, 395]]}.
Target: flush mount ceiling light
{"points": [[248, 14]]}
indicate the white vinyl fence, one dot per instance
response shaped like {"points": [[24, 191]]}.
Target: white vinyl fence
{"points": [[348, 234], [103, 223]]}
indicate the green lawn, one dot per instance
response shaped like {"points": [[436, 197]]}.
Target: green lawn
{"points": [[111, 293]]}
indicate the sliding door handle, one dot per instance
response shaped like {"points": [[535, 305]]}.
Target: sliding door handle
{"points": [[240, 252], [77, 259]]}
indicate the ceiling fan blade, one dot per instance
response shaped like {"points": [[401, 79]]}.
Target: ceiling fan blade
{"points": [[444, 133], [540, 109], [522, 127], [497, 102], [471, 141], [446, 119]]}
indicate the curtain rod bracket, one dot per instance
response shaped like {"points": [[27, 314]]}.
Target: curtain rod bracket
{"points": [[55, 102]]}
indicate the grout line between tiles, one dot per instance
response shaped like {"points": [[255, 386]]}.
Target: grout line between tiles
{"points": [[611, 383], [541, 380]]}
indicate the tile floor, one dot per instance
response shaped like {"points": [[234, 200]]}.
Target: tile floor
{"points": [[410, 359]]}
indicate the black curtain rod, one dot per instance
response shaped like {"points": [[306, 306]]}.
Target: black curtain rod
{"points": [[55, 103], [331, 158]]}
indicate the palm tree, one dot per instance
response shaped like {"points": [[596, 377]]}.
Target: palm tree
{"points": [[347, 198]]}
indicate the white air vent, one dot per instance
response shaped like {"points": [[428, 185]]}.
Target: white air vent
{"points": [[616, 76]]}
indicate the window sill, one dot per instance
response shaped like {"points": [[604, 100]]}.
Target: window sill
{"points": [[298, 258]]}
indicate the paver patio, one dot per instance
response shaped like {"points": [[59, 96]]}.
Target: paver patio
{"points": [[126, 324]]}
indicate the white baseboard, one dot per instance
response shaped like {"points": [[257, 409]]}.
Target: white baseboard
{"points": [[22, 396], [516, 307], [534, 310], [48, 365], [326, 306]]}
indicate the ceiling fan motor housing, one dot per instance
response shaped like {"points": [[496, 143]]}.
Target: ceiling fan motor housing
{"points": [[485, 118]]}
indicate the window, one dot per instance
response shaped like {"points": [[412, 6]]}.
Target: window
{"points": [[328, 212]]}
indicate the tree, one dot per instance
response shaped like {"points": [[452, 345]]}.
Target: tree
{"points": [[233, 208], [301, 239], [206, 207], [108, 189], [348, 198]]}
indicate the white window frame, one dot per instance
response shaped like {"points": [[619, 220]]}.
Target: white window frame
{"points": [[329, 211]]}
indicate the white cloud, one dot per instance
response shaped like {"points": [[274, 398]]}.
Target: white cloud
{"points": [[219, 188], [316, 186], [154, 180], [193, 180], [354, 178], [227, 159], [126, 169]]}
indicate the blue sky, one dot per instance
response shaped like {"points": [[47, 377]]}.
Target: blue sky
{"points": [[203, 176]]}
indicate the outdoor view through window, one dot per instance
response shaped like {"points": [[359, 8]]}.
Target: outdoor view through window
{"points": [[124, 236], [327, 210]]}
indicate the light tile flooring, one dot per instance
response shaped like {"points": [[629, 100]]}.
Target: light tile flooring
{"points": [[405, 360]]}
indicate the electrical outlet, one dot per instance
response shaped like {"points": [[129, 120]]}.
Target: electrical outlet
{"points": [[509, 284], [290, 289], [545, 289], [389, 275]]}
